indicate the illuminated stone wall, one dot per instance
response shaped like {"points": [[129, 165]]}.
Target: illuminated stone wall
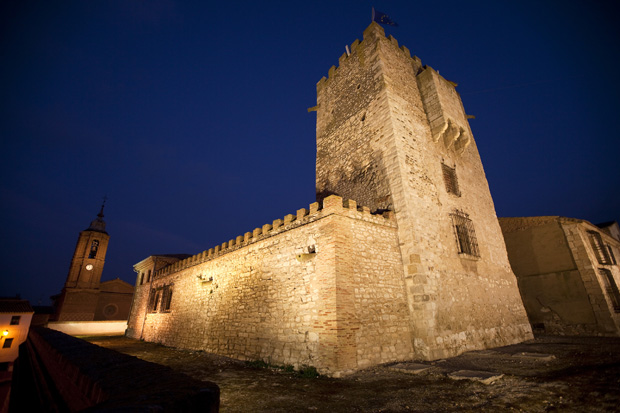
{"points": [[386, 126], [325, 289], [563, 282]]}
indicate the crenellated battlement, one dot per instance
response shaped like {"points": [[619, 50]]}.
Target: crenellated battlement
{"points": [[372, 35], [331, 205]]}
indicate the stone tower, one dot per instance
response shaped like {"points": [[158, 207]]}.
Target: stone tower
{"points": [[392, 134], [78, 299]]}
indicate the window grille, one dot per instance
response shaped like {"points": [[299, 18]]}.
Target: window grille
{"points": [[611, 288], [166, 298], [449, 177], [465, 235], [601, 252]]}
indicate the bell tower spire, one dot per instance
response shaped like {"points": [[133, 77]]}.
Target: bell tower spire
{"points": [[79, 296], [98, 224]]}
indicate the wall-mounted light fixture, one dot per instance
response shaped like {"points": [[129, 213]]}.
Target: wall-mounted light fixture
{"points": [[5, 333]]}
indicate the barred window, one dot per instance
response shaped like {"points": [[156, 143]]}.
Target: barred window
{"points": [[465, 235], [166, 298], [611, 288], [449, 177], [601, 251]]}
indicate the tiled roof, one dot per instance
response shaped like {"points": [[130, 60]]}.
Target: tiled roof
{"points": [[15, 306]]}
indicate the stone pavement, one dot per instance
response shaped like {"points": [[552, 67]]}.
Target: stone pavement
{"points": [[567, 374]]}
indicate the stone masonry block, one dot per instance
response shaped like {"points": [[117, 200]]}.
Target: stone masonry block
{"points": [[351, 204], [332, 203], [301, 213]]}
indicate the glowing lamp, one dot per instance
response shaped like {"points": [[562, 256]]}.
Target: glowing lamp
{"points": [[5, 333]]}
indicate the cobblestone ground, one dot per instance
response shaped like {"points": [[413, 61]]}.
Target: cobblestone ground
{"points": [[582, 376]]}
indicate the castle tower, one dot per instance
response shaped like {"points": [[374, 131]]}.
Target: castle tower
{"points": [[78, 299], [392, 134]]}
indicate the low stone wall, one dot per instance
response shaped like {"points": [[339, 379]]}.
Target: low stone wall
{"points": [[89, 328], [86, 376]]}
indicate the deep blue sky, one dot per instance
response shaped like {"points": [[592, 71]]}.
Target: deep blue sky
{"points": [[191, 115]]}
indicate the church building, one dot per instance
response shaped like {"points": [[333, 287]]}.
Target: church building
{"points": [[84, 297], [401, 257]]}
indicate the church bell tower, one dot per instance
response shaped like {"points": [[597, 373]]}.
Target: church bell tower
{"points": [[78, 299]]}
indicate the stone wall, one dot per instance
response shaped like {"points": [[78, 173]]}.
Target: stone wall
{"points": [[73, 375], [386, 125], [323, 289], [559, 275], [145, 272], [89, 328], [78, 304], [608, 317]]}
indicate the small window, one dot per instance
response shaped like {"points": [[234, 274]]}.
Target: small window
{"points": [[600, 250], [93, 249], [7, 343], [154, 298], [166, 298], [141, 278], [149, 277], [449, 178], [465, 235], [611, 288], [611, 255], [15, 320]]}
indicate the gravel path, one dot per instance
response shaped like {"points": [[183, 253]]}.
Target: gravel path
{"points": [[564, 374]]}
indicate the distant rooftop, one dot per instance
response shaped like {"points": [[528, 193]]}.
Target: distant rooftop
{"points": [[13, 305]]}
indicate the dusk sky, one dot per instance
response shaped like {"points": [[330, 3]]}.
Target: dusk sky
{"points": [[191, 116]]}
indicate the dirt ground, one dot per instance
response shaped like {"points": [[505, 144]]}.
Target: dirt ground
{"points": [[577, 375]]}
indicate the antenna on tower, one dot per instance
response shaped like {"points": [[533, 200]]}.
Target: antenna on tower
{"points": [[100, 214]]}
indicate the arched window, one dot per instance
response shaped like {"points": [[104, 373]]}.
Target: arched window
{"points": [[93, 249]]}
